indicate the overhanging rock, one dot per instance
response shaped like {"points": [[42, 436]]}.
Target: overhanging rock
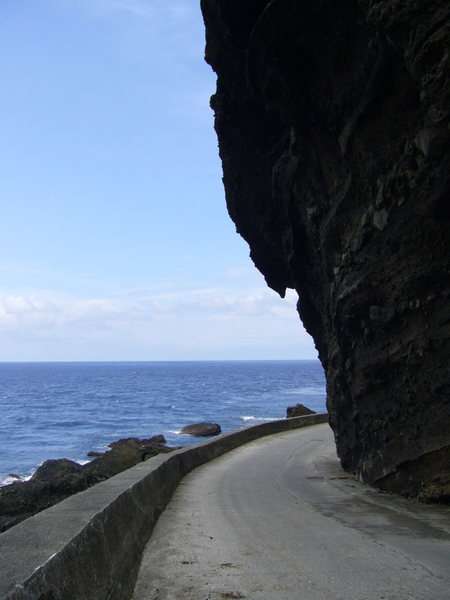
{"points": [[333, 125]]}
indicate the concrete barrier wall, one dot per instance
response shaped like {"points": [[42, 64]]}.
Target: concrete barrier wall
{"points": [[89, 546]]}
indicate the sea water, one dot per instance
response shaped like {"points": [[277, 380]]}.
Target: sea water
{"points": [[65, 410]]}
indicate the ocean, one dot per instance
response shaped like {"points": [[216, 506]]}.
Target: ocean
{"points": [[65, 410]]}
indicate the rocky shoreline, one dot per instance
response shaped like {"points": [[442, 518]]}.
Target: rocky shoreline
{"points": [[56, 480]]}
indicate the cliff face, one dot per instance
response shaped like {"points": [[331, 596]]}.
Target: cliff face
{"points": [[333, 125]]}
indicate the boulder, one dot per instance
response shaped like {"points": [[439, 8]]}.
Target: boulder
{"points": [[202, 429], [298, 411], [55, 471], [156, 439]]}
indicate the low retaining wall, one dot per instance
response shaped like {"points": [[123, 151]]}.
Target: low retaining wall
{"points": [[89, 546]]}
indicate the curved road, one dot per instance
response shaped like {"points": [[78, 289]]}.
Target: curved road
{"points": [[279, 519]]}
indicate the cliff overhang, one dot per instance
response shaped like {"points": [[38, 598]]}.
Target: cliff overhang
{"points": [[333, 126]]}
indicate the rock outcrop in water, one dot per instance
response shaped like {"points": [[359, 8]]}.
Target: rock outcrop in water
{"points": [[298, 411], [58, 479], [202, 429], [333, 125]]}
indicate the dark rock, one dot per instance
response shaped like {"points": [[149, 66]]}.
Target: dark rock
{"points": [[333, 125], [156, 439], [434, 485], [298, 411], [201, 429], [56, 480], [54, 471], [94, 454]]}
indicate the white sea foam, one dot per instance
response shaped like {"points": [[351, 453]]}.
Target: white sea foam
{"points": [[259, 418], [8, 480]]}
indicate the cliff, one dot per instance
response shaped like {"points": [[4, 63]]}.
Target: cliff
{"points": [[333, 125]]}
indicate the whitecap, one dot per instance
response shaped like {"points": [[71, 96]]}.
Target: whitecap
{"points": [[8, 480], [259, 418]]}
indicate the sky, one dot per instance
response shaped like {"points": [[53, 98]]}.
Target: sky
{"points": [[115, 241]]}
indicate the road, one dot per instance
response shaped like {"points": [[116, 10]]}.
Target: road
{"points": [[279, 519]]}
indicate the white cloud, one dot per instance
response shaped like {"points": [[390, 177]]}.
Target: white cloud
{"points": [[192, 322], [221, 302], [18, 312], [239, 271], [17, 304]]}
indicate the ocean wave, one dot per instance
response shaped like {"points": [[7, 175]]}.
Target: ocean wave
{"points": [[306, 391], [13, 479], [244, 418]]}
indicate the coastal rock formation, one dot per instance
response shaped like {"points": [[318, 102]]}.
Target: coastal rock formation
{"points": [[333, 125], [56, 480], [202, 429], [298, 411]]}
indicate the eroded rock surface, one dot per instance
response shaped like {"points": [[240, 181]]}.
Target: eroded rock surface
{"points": [[333, 125]]}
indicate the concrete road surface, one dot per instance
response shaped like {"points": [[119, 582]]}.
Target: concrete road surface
{"points": [[278, 519]]}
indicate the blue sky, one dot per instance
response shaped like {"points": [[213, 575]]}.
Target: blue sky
{"points": [[115, 242]]}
